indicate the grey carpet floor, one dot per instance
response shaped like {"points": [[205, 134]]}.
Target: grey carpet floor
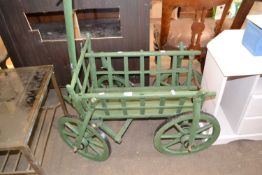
{"points": [[136, 155]]}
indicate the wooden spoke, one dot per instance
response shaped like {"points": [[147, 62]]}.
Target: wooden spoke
{"points": [[172, 143], [71, 134], [179, 128], [203, 136], [72, 128], [94, 148], [97, 144], [170, 136], [204, 128]]}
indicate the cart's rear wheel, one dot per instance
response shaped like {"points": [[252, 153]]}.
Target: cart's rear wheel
{"points": [[172, 137], [166, 79], [103, 81], [94, 145]]}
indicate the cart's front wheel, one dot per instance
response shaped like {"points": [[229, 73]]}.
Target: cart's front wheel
{"points": [[172, 137], [94, 144]]}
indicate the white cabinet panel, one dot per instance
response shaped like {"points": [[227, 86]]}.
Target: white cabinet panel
{"points": [[254, 108], [209, 82], [258, 89], [235, 75], [235, 98], [250, 126]]}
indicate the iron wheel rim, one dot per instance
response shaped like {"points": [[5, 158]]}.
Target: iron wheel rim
{"points": [[206, 135], [94, 145]]}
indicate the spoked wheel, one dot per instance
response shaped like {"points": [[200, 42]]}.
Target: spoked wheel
{"points": [[94, 145], [172, 137], [103, 81], [166, 79]]}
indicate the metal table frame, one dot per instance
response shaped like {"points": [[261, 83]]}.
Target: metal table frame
{"points": [[31, 120]]}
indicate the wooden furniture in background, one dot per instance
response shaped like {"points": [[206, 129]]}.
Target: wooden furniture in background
{"points": [[174, 31], [243, 11], [194, 33]]}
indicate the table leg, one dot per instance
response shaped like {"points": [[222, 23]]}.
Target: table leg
{"points": [[58, 93], [32, 161]]}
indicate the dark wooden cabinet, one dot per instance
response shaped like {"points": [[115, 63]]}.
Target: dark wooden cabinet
{"points": [[29, 46]]}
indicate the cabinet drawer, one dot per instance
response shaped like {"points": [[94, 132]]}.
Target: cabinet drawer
{"points": [[250, 126], [254, 108]]}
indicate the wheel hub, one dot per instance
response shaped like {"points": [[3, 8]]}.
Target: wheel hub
{"points": [[185, 140], [84, 142]]}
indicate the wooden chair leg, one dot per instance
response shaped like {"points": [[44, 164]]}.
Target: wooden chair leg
{"points": [[202, 63], [202, 58], [3, 65]]}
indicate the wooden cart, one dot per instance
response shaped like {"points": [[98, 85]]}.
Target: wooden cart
{"points": [[101, 93]]}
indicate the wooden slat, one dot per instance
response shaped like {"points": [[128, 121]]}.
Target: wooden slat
{"points": [[120, 108], [189, 73], [77, 72], [145, 53], [162, 103], [126, 71], [93, 72], [181, 70], [110, 72], [79, 85], [181, 105], [142, 104], [142, 69], [87, 75], [158, 71], [86, 78], [123, 129], [123, 106], [174, 78], [104, 63], [104, 104]]}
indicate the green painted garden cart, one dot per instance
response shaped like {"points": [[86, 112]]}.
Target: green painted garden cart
{"points": [[100, 93]]}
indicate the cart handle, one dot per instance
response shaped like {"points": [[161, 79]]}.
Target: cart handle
{"points": [[68, 13]]}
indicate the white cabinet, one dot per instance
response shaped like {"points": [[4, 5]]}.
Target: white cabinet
{"points": [[235, 75]]}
